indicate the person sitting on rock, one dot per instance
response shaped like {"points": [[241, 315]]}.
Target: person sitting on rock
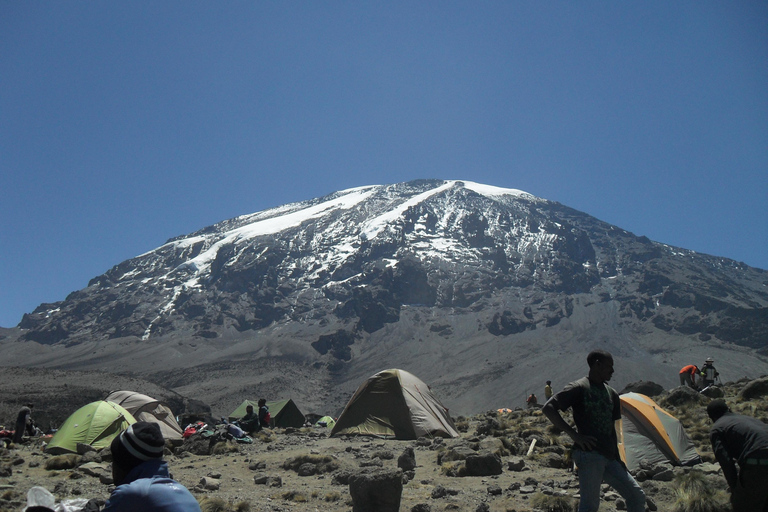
{"points": [[532, 401], [141, 476], [250, 422]]}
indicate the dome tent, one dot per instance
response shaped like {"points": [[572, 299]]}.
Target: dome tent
{"points": [[146, 408], [652, 434], [94, 424], [395, 403]]}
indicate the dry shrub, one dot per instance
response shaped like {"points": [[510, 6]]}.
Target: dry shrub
{"points": [[7, 495], [224, 447], [332, 496], [553, 503], [294, 496], [694, 493], [263, 436], [212, 504], [456, 468], [67, 461], [323, 463]]}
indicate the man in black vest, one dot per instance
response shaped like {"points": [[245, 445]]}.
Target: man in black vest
{"points": [[744, 440]]}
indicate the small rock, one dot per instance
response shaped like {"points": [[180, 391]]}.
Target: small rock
{"points": [[407, 460], [209, 483], [665, 476], [527, 489], [494, 490], [516, 465], [307, 469]]}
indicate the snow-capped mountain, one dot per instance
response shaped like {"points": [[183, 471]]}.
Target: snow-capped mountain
{"points": [[468, 285]]}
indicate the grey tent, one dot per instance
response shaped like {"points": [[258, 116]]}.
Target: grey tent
{"points": [[146, 408], [395, 403]]}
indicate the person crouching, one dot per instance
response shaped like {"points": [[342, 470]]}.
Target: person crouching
{"points": [[141, 475]]}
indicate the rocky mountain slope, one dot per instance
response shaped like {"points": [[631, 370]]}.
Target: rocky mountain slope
{"points": [[482, 292], [304, 470]]}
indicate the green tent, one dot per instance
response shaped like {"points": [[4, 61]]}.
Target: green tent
{"points": [[95, 424], [326, 421], [284, 413], [395, 403]]}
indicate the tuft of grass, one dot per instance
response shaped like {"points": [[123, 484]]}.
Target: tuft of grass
{"points": [[323, 463], [224, 447], [213, 504], [332, 496], [209, 504], [553, 503], [455, 468], [7, 495], [264, 437], [694, 493], [68, 461], [294, 496]]}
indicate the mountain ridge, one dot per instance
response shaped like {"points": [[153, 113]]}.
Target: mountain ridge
{"points": [[458, 280]]}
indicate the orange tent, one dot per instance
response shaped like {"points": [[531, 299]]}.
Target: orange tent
{"points": [[649, 433]]}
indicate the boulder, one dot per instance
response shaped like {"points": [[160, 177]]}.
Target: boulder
{"points": [[755, 389], [713, 392], [484, 463], [378, 491], [644, 387], [458, 452], [682, 395]]}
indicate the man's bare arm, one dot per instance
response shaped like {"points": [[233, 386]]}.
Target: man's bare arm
{"points": [[553, 415]]}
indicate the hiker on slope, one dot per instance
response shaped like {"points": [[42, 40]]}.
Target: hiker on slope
{"points": [[708, 372], [548, 390], [688, 375], [596, 408]]}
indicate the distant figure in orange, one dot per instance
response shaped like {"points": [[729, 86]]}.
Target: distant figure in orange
{"points": [[532, 401], [688, 375]]}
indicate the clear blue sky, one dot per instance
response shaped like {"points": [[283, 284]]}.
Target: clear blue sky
{"points": [[123, 124]]}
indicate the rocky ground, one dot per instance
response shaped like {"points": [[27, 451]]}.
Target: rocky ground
{"points": [[305, 470]]}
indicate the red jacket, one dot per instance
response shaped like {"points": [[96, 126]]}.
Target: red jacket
{"points": [[691, 368]]}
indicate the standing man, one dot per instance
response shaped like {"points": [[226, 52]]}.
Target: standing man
{"points": [[742, 439], [141, 475], [548, 390], [688, 375], [596, 408], [264, 416], [708, 372], [24, 423]]}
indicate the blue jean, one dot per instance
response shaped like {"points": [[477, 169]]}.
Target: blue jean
{"points": [[594, 469]]}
